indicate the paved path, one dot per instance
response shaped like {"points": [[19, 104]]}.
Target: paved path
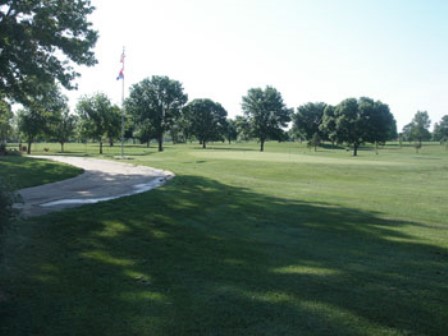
{"points": [[102, 180]]}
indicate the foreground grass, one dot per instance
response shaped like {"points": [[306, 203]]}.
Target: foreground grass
{"points": [[287, 242]]}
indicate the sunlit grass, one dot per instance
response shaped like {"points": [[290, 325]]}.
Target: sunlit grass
{"points": [[286, 242]]}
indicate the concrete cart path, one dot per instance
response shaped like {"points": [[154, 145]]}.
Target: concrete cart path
{"points": [[102, 180]]}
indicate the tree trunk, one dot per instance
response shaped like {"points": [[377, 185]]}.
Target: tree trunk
{"points": [[147, 143], [62, 147], [262, 145], [28, 150], [160, 140], [204, 145], [101, 146], [355, 149]]}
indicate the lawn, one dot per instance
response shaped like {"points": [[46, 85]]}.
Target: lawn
{"points": [[286, 242]]}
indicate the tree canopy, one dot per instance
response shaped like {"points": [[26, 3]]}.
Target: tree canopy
{"points": [[43, 40], [157, 101], [41, 112], [307, 119], [356, 121], [266, 113], [98, 117], [208, 120], [418, 129]]}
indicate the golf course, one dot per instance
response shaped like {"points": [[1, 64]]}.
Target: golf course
{"points": [[289, 241]]}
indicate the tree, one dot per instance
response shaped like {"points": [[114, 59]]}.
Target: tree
{"points": [[41, 112], [231, 133], [441, 130], [208, 120], [266, 113], [328, 124], [307, 120], [97, 117], [243, 128], [418, 129], [43, 40], [65, 127], [157, 100], [381, 125], [356, 121], [6, 116]]}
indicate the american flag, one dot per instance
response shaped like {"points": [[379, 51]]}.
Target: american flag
{"points": [[121, 73]]}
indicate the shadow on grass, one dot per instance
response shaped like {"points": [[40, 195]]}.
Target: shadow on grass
{"points": [[198, 257]]}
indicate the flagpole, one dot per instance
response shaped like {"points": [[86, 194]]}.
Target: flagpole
{"points": [[122, 110]]}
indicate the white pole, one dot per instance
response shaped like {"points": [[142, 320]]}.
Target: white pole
{"points": [[122, 110]]}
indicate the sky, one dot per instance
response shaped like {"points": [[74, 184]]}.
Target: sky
{"points": [[395, 51]]}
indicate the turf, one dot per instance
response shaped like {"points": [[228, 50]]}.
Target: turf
{"points": [[23, 172], [287, 242]]}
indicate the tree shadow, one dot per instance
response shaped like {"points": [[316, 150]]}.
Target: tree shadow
{"points": [[203, 258]]}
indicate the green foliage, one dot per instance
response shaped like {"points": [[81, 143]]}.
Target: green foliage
{"points": [[64, 127], [266, 113], [307, 120], [43, 40], [231, 132], [41, 113], [208, 120], [6, 116], [356, 121], [158, 101], [418, 129], [243, 128], [99, 118], [441, 130]]}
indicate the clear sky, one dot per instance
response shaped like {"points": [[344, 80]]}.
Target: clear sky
{"points": [[395, 51]]}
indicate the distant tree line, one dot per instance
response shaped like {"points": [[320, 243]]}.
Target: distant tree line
{"points": [[158, 108]]}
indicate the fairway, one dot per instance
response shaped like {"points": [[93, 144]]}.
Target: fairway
{"points": [[285, 242]]}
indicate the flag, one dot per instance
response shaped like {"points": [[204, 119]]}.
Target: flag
{"points": [[121, 73]]}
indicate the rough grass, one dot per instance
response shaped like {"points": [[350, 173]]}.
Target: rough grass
{"points": [[311, 245]]}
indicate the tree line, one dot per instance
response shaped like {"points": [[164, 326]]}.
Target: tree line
{"points": [[158, 106]]}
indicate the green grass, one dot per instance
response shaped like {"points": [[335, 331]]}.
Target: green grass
{"points": [[286, 242], [24, 172]]}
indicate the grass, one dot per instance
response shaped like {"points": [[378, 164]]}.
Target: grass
{"points": [[286, 242], [23, 172]]}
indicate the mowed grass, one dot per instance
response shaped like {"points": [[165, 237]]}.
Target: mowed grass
{"points": [[286, 242], [23, 172]]}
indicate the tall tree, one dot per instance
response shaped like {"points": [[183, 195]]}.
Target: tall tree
{"points": [[307, 119], [43, 40], [157, 100], [208, 120], [97, 116], [266, 113]]}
